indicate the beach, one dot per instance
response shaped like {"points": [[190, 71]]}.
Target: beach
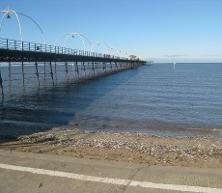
{"points": [[152, 115], [197, 151]]}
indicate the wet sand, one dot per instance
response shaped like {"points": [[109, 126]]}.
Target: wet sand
{"points": [[204, 152]]}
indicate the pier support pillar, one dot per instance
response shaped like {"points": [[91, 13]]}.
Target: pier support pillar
{"points": [[66, 68], [77, 68], [37, 72], [23, 74], [84, 68], [1, 87], [51, 72], [55, 69], [10, 77], [93, 67], [88, 67], [116, 64], [9, 71], [44, 70], [104, 66]]}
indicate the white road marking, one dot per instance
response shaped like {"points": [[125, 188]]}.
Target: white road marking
{"points": [[114, 181]]}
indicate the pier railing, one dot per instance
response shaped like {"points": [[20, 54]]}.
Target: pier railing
{"points": [[46, 48]]}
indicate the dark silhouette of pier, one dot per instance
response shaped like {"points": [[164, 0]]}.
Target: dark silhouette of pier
{"points": [[95, 64]]}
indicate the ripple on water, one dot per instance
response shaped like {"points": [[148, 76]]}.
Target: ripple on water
{"points": [[153, 99]]}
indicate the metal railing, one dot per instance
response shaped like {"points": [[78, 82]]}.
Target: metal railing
{"points": [[46, 48]]}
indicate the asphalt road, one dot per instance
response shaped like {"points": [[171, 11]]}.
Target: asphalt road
{"points": [[43, 173]]}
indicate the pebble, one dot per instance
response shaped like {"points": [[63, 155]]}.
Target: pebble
{"points": [[164, 149]]}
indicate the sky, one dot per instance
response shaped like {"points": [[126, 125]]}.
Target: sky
{"points": [[157, 29]]}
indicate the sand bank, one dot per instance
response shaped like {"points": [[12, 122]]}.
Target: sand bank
{"points": [[132, 147]]}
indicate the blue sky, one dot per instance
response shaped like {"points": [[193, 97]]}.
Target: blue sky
{"points": [[149, 28]]}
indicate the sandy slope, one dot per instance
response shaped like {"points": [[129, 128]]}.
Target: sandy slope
{"points": [[133, 147]]}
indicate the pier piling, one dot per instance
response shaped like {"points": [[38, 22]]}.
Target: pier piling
{"points": [[37, 72], [1, 86], [23, 74], [51, 72]]}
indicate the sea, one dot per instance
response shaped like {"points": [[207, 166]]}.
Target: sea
{"points": [[179, 100]]}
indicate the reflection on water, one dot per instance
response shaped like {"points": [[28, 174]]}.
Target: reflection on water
{"points": [[155, 99]]}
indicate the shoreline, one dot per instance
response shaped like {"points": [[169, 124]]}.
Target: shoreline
{"points": [[203, 152]]}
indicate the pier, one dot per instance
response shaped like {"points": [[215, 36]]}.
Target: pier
{"points": [[82, 64]]}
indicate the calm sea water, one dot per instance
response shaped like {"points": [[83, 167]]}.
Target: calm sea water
{"points": [[155, 99]]}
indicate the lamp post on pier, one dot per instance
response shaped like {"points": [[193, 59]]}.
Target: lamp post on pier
{"points": [[82, 37], [8, 13]]}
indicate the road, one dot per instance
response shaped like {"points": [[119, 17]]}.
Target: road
{"points": [[44, 173]]}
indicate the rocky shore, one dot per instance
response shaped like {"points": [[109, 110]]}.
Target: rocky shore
{"points": [[131, 147]]}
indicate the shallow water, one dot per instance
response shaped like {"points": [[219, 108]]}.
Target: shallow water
{"points": [[155, 99]]}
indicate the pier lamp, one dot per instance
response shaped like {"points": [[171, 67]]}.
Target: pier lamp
{"points": [[8, 13], [117, 51], [82, 37], [104, 46], [125, 53]]}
